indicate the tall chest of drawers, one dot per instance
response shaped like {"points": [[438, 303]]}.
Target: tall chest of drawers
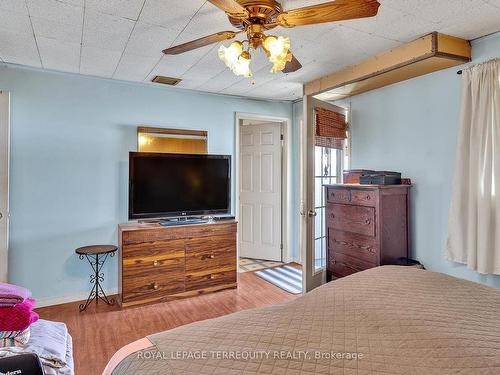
{"points": [[366, 226], [162, 263]]}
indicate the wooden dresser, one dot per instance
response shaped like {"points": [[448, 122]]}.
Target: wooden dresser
{"points": [[162, 263], [366, 226]]}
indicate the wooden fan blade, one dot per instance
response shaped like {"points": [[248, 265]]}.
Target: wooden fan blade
{"points": [[339, 10], [230, 6], [201, 42], [292, 66]]}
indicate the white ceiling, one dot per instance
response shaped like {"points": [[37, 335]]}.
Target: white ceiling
{"points": [[123, 39]]}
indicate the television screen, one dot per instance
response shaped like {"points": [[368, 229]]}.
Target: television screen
{"points": [[166, 185]]}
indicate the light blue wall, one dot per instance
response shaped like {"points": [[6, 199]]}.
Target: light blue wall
{"points": [[69, 164], [412, 127]]}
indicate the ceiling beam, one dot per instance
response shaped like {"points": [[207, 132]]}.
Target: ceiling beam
{"points": [[427, 54]]}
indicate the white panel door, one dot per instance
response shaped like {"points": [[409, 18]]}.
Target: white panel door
{"points": [[4, 183], [260, 191]]}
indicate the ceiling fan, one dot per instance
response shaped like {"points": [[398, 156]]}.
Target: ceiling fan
{"points": [[255, 17]]}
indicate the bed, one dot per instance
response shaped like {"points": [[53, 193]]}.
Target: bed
{"points": [[386, 320]]}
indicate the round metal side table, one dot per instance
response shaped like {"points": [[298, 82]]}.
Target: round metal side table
{"points": [[96, 255]]}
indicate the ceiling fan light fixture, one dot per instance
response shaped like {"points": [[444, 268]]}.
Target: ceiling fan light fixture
{"points": [[230, 55], [276, 47], [242, 65], [279, 64]]}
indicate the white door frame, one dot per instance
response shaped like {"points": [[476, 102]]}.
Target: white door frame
{"points": [[311, 278], [286, 196], [4, 181]]}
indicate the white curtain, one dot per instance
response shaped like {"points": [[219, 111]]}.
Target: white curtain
{"points": [[474, 222]]}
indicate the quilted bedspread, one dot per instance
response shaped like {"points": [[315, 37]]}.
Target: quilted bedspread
{"points": [[386, 320]]}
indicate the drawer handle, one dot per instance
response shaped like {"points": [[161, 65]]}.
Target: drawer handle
{"points": [[211, 256], [368, 198], [156, 263], [213, 276], [155, 286], [332, 216], [367, 221]]}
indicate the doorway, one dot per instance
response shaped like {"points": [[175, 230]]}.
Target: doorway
{"points": [[319, 165], [262, 191], [4, 183]]}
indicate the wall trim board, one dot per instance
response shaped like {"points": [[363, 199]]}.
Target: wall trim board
{"points": [[76, 297]]}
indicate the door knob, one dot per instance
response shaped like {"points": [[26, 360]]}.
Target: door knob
{"points": [[311, 213], [1, 216]]}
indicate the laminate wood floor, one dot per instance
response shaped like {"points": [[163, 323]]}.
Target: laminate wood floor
{"points": [[100, 331]]}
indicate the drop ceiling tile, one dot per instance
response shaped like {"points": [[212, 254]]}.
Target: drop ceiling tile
{"points": [[122, 8], [58, 55], [79, 3], [220, 82], [134, 67], [308, 33], [106, 32], [392, 24], [69, 33], [15, 22], [99, 62], [207, 67], [293, 4], [435, 11], [54, 10], [495, 3], [18, 48], [177, 65], [149, 40], [165, 13], [208, 20], [464, 27], [278, 90], [190, 84], [18, 6], [240, 87]]}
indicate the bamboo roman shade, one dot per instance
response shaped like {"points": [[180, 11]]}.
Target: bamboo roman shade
{"points": [[331, 128]]}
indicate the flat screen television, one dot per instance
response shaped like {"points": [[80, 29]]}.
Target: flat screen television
{"points": [[175, 185]]}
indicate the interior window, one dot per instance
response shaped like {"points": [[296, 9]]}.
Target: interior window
{"points": [[328, 170]]}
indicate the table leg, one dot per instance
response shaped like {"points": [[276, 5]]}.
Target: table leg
{"points": [[97, 292]]}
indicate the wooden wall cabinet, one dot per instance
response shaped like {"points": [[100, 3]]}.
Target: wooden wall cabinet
{"points": [[162, 263], [366, 225]]}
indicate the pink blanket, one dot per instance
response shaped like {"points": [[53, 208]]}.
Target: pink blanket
{"points": [[19, 317], [11, 295]]}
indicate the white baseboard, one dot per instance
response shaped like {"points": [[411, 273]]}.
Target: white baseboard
{"points": [[51, 301]]}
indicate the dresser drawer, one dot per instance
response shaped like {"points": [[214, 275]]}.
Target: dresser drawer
{"points": [[354, 219], [152, 249], [364, 197], [162, 264], [152, 287], [352, 244], [355, 263], [340, 269], [338, 195], [214, 253], [352, 196], [210, 278]]}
